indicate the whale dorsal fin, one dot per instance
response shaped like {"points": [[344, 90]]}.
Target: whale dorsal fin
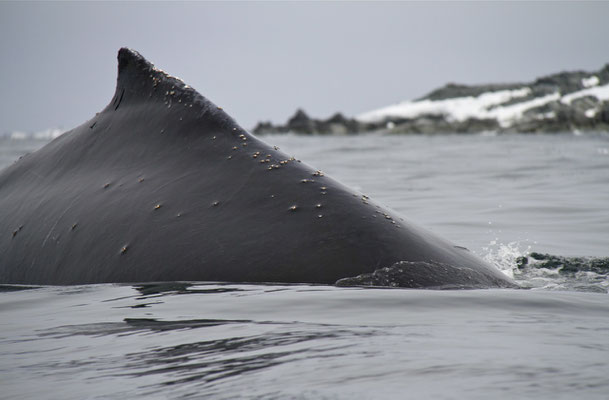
{"points": [[140, 81]]}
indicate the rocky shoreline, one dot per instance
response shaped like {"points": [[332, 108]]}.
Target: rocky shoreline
{"points": [[562, 102]]}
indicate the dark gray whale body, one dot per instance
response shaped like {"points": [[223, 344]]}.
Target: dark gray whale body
{"points": [[162, 185]]}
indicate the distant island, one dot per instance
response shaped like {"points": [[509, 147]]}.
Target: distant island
{"points": [[562, 102]]}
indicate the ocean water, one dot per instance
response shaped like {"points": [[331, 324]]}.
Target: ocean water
{"points": [[537, 206]]}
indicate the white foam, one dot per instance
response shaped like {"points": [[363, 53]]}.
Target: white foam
{"points": [[505, 256]]}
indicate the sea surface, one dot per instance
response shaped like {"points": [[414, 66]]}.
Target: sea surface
{"points": [[536, 206]]}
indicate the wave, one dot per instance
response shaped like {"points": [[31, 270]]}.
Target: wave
{"points": [[547, 271], [530, 270], [536, 270]]}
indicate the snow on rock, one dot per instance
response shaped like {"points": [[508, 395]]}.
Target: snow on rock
{"points": [[548, 115], [485, 106], [18, 135], [46, 134], [600, 92], [507, 115], [591, 81], [590, 113], [501, 105], [454, 109], [563, 101]]}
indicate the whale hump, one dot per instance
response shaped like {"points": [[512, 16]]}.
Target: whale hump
{"points": [[163, 185]]}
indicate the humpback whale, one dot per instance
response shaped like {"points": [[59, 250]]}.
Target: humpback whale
{"points": [[163, 185]]}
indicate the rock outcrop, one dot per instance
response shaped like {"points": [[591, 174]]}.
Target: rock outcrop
{"points": [[562, 102], [301, 123]]}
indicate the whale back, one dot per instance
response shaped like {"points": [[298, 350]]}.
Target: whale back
{"points": [[163, 185]]}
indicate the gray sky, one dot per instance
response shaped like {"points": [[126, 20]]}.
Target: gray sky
{"points": [[261, 61]]}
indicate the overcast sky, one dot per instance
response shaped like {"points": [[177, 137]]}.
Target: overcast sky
{"points": [[260, 61]]}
